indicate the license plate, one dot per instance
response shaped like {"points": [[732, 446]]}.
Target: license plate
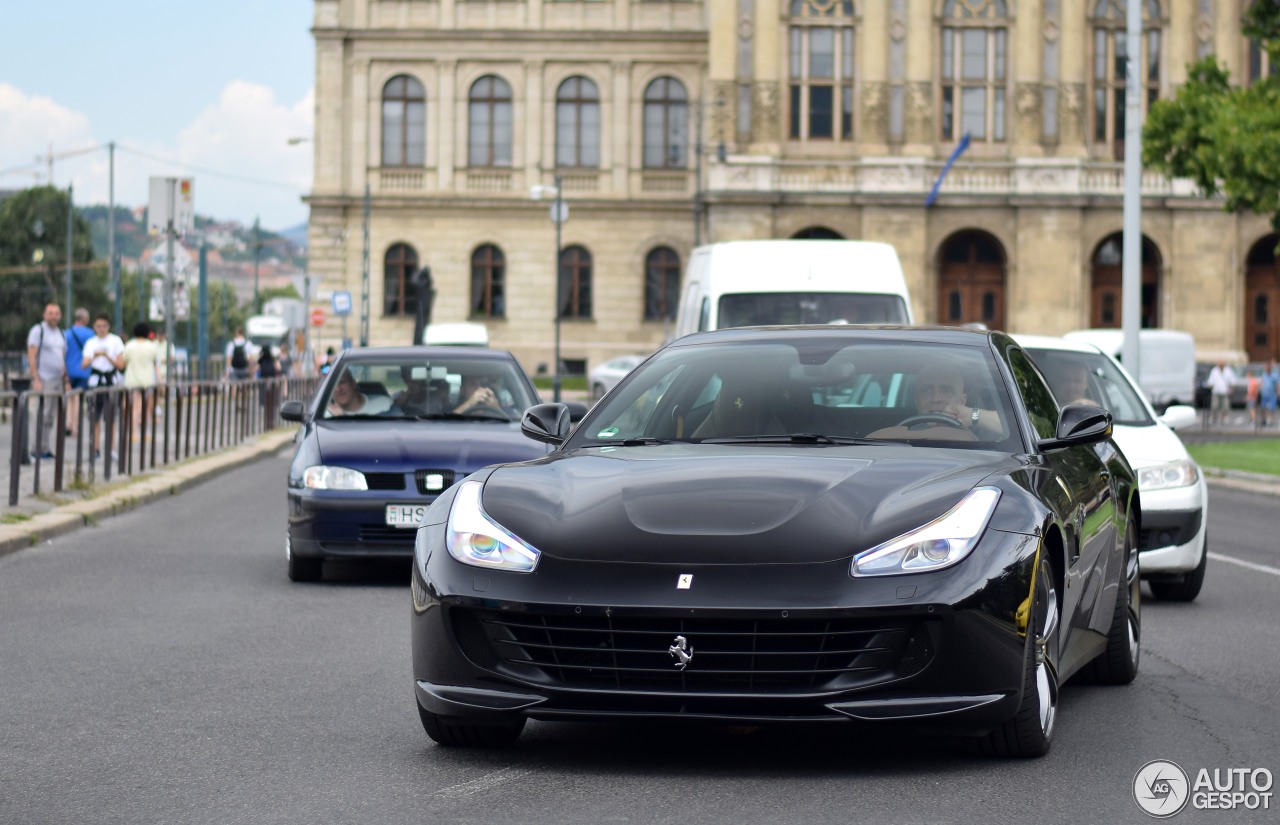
{"points": [[408, 516]]}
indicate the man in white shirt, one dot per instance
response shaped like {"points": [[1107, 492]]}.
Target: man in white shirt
{"points": [[104, 358], [47, 357], [1220, 381]]}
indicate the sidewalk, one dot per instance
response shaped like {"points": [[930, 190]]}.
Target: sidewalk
{"points": [[24, 529]]}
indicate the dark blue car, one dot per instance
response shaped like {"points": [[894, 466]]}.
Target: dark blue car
{"points": [[389, 431]]}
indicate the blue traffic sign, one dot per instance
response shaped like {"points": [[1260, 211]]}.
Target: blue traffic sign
{"points": [[342, 303]]}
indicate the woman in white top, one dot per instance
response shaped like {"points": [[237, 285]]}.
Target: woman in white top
{"points": [[103, 357]]}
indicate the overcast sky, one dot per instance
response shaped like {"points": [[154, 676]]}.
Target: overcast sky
{"points": [[207, 90]]}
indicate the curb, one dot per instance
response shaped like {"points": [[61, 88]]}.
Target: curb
{"points": [[1245, 482], [146, 489]]}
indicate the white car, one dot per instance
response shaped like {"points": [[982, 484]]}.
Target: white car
{"points": [[606, 376], [1172, 546]]}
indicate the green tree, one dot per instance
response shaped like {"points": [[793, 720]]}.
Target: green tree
{"points": [[33, 250], [1225, 138]]}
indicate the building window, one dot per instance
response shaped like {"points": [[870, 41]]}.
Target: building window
{"points": [[975, 57], [577, 123], [400, 263], [1260, 63], [575, 282], [661, 284], [820, 54], [1110, 55], [488, 280], [666, 124], [490, 122], [404, 122]]}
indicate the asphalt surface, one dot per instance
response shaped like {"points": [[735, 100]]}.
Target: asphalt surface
{"points": [[160, 667]]}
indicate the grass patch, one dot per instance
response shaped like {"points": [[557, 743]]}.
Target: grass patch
{"points": [[1254, 456], [567, 382], [14, 518]]}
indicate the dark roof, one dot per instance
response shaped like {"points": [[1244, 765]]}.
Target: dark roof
{"points": [[409, 352], [958, 336]]}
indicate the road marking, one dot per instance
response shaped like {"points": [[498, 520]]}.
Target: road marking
{"points": [[1261, 568], [466, 789]]}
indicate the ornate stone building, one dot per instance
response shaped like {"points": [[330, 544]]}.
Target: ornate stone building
{"points": [[675, 123]]}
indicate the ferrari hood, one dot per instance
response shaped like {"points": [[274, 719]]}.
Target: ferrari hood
{"points": [[692, 504], [392, 446]]}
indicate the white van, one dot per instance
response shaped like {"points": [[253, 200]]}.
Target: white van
{"points": [[1167, 361], [466, 334], [767, 283]]}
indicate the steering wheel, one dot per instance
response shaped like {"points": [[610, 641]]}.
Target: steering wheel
{"points": [[917, 422]]}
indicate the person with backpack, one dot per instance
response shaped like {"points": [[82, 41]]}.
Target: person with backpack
{"points": [[241, 355], [77, 375]]}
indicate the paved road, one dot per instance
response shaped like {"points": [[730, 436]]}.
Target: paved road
{"points": [[161, 668]]}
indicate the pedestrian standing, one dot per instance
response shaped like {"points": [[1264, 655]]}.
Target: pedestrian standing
{"points": [[142, 365], [241, 357], [78, 376], [104, 357], [1220, 381], [47, 360], [1267, 392]]}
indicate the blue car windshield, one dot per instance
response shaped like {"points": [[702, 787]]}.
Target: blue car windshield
{"points": [[428, 389], [791, 390]]}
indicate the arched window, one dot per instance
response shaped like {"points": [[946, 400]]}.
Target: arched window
{"points": [[398, 266], [1110, 51], [404, 122], [661, 284], [666, 124], [490, 123], [488, 282], [575, 282], [818, 233], [820, 55], [1108, 266], [577, 123], [975, 70]]}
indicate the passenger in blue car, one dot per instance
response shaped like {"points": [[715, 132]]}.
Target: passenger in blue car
{"points": [[348, 400]]}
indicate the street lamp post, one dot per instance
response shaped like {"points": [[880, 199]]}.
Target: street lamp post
{"points": [[559, 213]]}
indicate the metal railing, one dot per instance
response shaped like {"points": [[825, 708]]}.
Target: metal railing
{"points": [[117, 431]]}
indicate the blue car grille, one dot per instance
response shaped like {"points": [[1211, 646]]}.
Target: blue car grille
{"points": [[384, 481], [729, 654]]}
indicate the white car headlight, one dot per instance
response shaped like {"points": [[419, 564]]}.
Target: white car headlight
{"points": [[474, 538], [938, 544], [1181, 473], [333, 478]]}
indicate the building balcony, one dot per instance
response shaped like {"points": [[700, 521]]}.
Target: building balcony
{"points": [[1031, 178]]}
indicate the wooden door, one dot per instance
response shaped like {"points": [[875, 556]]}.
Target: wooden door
{"points": [[971, 285]]}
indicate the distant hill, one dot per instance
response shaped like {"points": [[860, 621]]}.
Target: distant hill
{"points": [[232, 239], [296, 235]]}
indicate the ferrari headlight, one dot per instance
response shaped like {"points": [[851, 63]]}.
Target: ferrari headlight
{"points": [[474, 538], [1182, 473], [938, 544], [333, 478]]}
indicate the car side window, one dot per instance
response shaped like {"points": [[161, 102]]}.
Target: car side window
{"points": [[1036, 396]]}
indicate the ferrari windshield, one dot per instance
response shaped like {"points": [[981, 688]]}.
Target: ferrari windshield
{"points": [[808, 390]]}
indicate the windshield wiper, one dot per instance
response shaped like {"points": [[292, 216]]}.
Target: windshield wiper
{"points": [[643, 441], [791, 438]]}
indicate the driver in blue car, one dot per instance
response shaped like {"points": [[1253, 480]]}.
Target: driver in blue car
{"points": [[942, 412]]}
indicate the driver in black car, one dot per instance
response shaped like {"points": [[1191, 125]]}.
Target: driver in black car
{"points": [[942, 412]]}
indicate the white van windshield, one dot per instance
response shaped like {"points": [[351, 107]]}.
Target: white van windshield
{"points": [[753, 309]]}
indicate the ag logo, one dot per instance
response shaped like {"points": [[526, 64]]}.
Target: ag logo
{"points": [[1161, 788]]}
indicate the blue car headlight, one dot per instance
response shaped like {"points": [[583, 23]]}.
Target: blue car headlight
{"points": [[474, 538], [938, 544], [333, 478], [1182, 473]]}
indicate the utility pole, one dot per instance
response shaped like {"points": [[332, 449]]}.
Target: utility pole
{"points": [[71, 219], [697, 174], [203, 335], [364, 275], [257, 254], [169, 234], [559, 216], [113, 266], [1131, 262]]}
